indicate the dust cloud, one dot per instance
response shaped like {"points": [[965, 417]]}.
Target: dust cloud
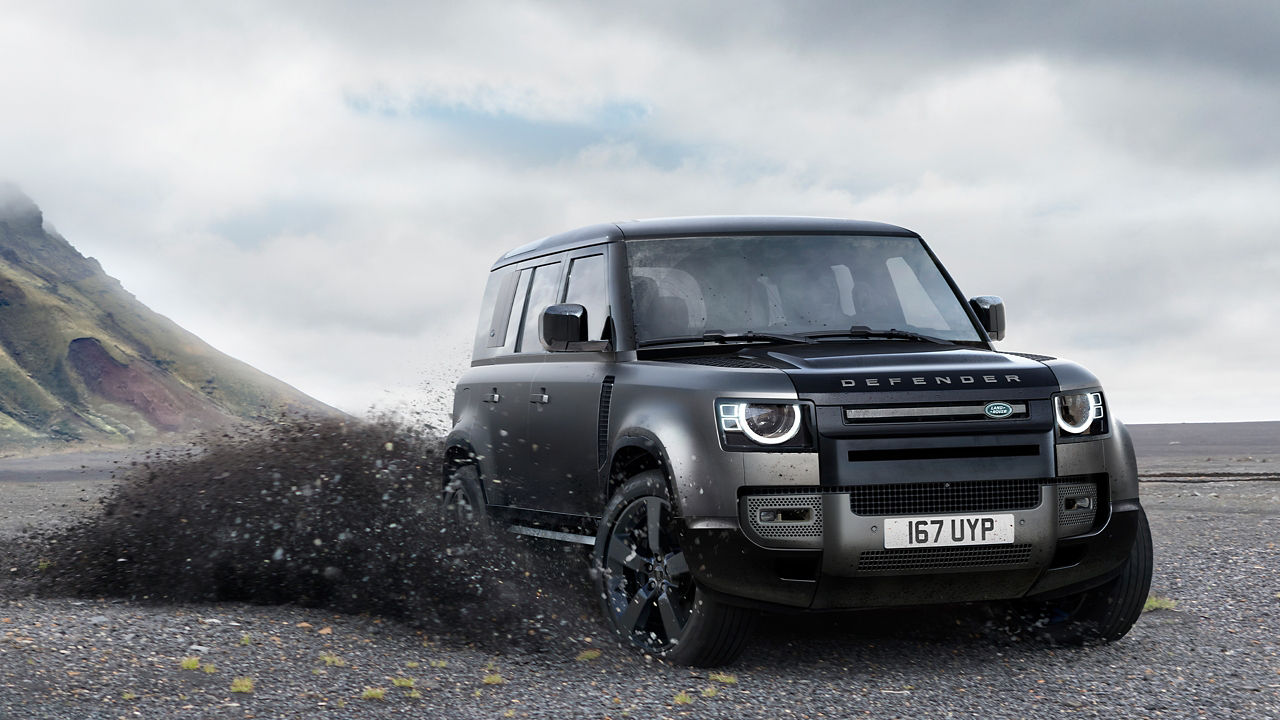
{"points": [[333, 514]]}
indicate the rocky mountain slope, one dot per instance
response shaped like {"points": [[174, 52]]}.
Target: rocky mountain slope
{"points": [[81, 359]]}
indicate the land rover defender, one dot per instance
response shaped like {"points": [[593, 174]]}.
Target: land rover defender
{"points": [[747, 413]]}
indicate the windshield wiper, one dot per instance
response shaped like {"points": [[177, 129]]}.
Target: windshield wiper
{"points": [[753, 336], [863, 332], [719, 336]]}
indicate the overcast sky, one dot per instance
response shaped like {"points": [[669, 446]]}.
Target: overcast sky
{"points": [[318, 188]]}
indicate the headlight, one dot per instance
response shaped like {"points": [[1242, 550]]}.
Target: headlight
{"points": [[763, 423], [1079, 413]]}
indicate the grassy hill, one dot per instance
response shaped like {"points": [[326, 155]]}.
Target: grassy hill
{"points": [[81, 359]]}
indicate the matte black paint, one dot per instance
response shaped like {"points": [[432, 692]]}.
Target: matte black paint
{"points": [[547, 442]]}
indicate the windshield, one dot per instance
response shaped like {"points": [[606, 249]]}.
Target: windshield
{"points": [[684, 287]]}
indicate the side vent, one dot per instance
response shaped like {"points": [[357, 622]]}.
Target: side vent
{"points": [[602, 442]]}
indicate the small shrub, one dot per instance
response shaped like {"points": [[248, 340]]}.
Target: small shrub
{"points": [[591, 654], [371, 693], [493, 679], [402, 682], [242, 685], [710, 692], [190, 663], [1155, 602], [209, 668], [332, 661], [683, 698], [725, 678]]}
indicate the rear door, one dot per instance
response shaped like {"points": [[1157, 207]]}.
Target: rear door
{"points": [[496, 389]]}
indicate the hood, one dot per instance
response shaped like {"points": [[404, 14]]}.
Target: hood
{"points": [[894, 371]]}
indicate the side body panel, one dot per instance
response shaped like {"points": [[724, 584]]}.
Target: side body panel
{"points": [[562, 474], [670, 407]]}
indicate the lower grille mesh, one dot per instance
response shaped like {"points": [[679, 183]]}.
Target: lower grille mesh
{"points": [[942, 558], [944, 497]]}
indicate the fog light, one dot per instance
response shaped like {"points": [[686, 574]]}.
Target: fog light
{"points": [[785, 515]]}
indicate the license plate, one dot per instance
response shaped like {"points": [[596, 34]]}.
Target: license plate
{"points": [[948, 530]]}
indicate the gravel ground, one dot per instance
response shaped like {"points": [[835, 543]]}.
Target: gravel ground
{"points": [[1216, 653]]}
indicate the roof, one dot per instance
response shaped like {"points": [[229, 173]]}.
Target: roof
{"points": [[696, 226]]}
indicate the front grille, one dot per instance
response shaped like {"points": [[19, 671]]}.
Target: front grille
{"points": [[930, 413], [944, 497], [944, 453], [942, 558]]}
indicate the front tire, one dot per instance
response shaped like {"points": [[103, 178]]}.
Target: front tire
{"points": [[1101, 614], [646, 589]]}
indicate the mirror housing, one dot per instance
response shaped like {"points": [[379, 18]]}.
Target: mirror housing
{"points": [[990, 312], [563, 328]]}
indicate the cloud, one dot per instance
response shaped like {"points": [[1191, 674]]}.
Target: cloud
{"points": [[320, 188]]}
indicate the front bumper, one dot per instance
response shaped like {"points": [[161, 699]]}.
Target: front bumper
{"points": [[845, 565]]}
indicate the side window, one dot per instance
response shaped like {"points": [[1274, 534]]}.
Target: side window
{"points": [[517, 311], [505, 296], [542, 293], [588, 288], [489, 310]]}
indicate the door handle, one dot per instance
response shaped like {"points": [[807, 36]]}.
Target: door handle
{"points": [[542, 397], [492, 397]]}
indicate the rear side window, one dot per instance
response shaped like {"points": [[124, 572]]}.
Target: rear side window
{"points": [[587, 287], [490, 309], [505, 295], [542, 293]]}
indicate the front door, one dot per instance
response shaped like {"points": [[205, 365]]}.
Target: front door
{"points": [[564, 401]]}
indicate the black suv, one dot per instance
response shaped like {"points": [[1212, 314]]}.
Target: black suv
{"points": [[747, 413]]}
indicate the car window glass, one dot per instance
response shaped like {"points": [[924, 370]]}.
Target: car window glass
{"points": [[798, 284], [491, 289], [844, 289], [497, 334], [917, 307], [517, 311], [651, 285], [587, 288], [542, 293]]}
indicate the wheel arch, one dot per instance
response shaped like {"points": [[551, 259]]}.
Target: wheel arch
{"points": [[456, 454], [635, 452]]}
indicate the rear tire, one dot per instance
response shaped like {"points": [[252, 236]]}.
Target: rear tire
{"points": [[1101, 614], [646, 589], [463, 499]]}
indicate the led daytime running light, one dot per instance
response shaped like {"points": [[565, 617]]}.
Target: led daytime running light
{"points": [[1095, 412], [733, 418]]}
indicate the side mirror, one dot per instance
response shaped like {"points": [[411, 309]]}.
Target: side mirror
{"points": [[562, 326], [990, 312]]}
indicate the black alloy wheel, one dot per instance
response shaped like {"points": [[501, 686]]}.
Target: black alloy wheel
{"points": [[646, 588]]}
